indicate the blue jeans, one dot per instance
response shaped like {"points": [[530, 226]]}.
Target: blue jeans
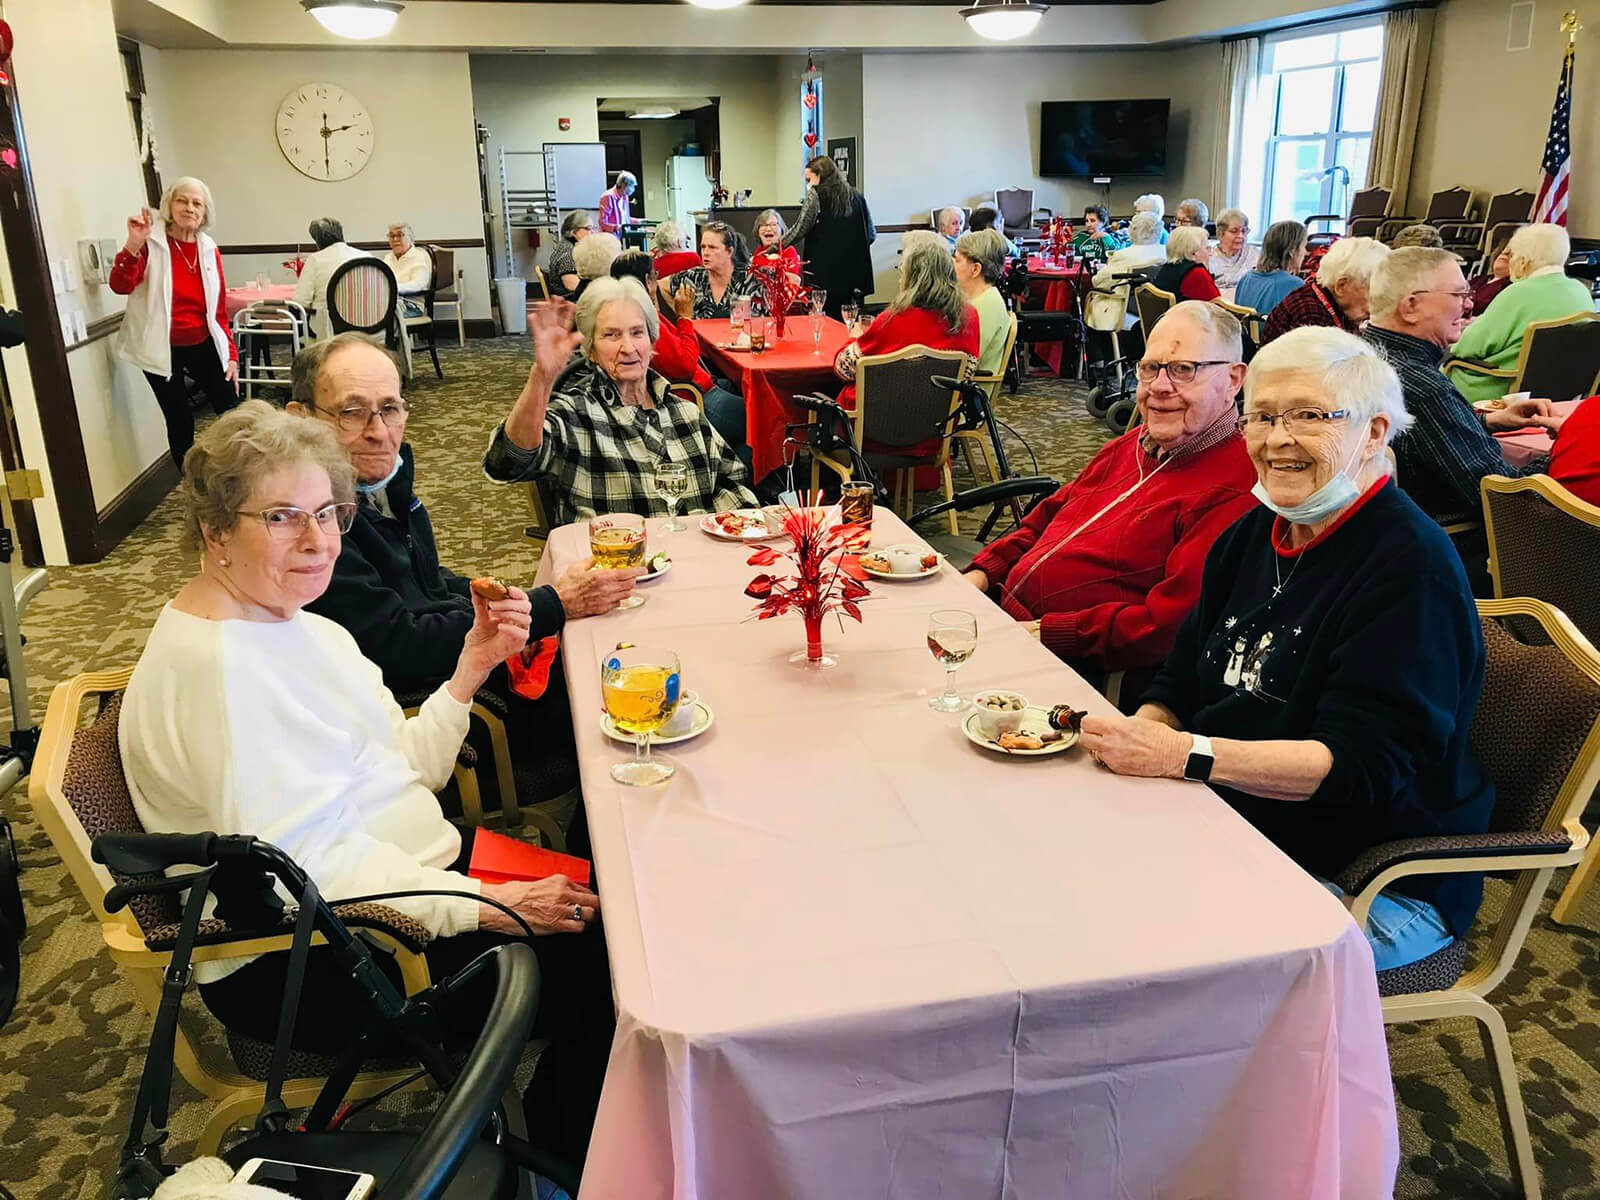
{"points": [[725, 411], [1400, 929]]}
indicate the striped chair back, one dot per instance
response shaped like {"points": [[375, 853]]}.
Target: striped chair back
{"points": [[362, 295]]}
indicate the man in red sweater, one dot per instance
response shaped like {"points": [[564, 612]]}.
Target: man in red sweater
{"points": [[1110, 565]]}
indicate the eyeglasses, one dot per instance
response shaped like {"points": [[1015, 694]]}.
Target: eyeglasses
{"points": [[1463, 295], [1179, 370], [1295, 420], [357, 417], [287, 522]]}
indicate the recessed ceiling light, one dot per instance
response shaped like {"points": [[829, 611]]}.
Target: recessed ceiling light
{"points": [[358, 19], [653, 112], [716, 3], [1003, 20]]}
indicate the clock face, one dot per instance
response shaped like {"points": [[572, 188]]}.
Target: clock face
{"points": [[324, 131]]}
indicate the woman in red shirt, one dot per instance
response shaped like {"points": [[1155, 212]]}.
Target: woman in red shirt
{"points": [[928, 310], [1187, 275], [769, 234], [175, 323]]}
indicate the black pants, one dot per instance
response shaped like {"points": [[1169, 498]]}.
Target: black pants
{"points": [[201, 364], [575, 1014]]}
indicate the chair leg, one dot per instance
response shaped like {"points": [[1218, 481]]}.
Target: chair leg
{"points": [[471, 801], [433, 351], [1508, 1098], [1572, 895], [461, 327], [233, 1110], [950, 494]]}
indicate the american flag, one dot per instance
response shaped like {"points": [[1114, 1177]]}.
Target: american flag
{"points": [[1551, 206]]}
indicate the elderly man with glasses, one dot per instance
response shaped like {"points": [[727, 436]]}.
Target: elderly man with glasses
{"points": [[1420, 303], [407, 612], [1109, 566]]}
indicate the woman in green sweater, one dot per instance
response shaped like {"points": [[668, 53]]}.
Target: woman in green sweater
{"points": [[1539, 291], [980, 261]]}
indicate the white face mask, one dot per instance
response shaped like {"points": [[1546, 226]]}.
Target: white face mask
{"points": [[1334, 496]]}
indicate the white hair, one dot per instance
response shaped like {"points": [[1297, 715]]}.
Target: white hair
{"points": [[1151, 203], [1351, 372], [1145, 228], [177, 185], [404, 227], [602, 292], [939, 220], [1184, 241], [1221, 328], [1404, 273], [1354, 259], [593, 256], [1538, 246], [1232, 216], [1196, 207], [667, 238]]}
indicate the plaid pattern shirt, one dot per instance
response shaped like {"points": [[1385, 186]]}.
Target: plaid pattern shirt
{"points": [[1308, 304], [1445, 454], [707, 307], [599, 453]]}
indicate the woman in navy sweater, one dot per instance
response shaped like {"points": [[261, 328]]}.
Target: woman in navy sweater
{"points": [[1325, 682]]}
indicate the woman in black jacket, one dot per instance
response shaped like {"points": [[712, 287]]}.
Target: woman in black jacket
{"points": [[838, 232]]}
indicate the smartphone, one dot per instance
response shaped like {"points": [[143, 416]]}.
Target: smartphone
{"points": [[306, 1183]]}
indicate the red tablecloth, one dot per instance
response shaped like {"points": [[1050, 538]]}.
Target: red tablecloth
{"points": [[1059, 296], [239, 297], [1524, 445], [770, 381]]}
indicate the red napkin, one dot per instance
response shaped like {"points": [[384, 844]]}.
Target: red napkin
{"points": [[497, 858], [529, 668]]}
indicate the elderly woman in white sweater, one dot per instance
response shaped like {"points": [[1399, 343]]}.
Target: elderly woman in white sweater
{"points": [[248, 715]]}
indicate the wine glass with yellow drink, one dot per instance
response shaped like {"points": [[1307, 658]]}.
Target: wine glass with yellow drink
{"points": [[617, 543], [640, 688]]}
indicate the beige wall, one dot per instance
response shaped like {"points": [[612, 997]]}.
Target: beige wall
{"points": [[657, 140], [520, 98], [220, 105], [940, 128], [1485, 110], [86, 180]]}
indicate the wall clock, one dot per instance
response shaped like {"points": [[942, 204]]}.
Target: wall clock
{"points": [[324, 132]]}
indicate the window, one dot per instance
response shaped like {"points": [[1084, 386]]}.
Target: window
{"points": [[1318, 95], [138, 110]]}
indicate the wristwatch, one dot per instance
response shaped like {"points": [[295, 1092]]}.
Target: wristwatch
{"points": [[1198, 767]]}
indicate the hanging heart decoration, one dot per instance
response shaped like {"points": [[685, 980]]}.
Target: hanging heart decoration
{"points": [[809, 100], [811, 141], [7, 40]]}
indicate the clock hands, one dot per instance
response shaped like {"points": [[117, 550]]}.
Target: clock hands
{"points": [[327, 163]]}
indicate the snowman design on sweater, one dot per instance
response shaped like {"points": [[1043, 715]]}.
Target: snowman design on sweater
{"points": [[1247, 654]]}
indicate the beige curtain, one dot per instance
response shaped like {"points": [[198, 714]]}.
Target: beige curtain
{"points": [[1407, 38], [1241, 64]]}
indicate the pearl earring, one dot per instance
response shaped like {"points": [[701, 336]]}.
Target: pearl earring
{"points": [[225, 561]]}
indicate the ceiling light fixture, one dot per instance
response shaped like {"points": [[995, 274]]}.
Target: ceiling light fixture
{"points": [[1003, 20], [716, 3], [652, 112], [357, 19]]}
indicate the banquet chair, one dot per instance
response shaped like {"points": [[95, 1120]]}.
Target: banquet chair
{"points": [[364, 298], [78, 792], [542, 283], [256, 327], [1447, 209], [1479, 241], [1368, 208], [1016, 209], [898, 407], [1537, 734], [1036, 325], [1153, 304], [1252, 322], [1559, 360], [449, 296], [425, 321]]}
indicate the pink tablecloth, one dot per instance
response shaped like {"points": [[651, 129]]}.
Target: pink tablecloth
{"points": [[240, 297], [855, 955], [1521, 448]]}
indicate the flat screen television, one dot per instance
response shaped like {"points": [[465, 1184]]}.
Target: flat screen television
{"points": [[1103, 137]]}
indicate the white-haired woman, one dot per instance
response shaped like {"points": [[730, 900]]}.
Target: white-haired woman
{"points": [[592, 258], [1187, 273], [1151, 202], [616, 206], [1277, 273], [980, 260], [176, 321], [669, 246], [1324, 684], [769, 244], [249, 715], [1338, 296], [1233, 257], [1145, 252], [928, 310], [331, 253], [1540, 290], [596, 427], [562, 275]]}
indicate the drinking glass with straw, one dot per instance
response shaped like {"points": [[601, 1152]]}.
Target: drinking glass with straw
{"points": [[617, 543]]}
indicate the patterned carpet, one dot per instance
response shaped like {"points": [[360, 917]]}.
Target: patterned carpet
{"points": [[70, 1056]]}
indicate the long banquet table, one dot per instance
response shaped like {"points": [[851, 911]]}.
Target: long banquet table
{"points": [[855, 955]]}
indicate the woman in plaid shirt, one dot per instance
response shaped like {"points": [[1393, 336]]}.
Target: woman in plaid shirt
{"points": [[596, 426]]}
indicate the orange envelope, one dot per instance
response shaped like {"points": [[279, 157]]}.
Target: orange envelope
{"points": [[497, 858]]}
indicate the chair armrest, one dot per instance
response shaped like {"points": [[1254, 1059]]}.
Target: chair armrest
{"points": [[1451, 853], [1475, 368], [405, 930]]}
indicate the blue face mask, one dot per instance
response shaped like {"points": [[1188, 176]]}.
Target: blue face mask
{"points": [[1332, 497], [368, 488]]}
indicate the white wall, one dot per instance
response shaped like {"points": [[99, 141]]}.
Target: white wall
{"points": [[657, 140], [520, 98], [86, 180], [220, 106], [950, 128]]}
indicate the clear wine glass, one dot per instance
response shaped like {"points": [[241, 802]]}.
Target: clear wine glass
{"points": [[672, 483], [640, 688], [848, 314], [952, 639], [819, 299], [819, 322]]}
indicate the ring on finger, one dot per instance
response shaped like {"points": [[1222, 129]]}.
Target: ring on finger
{"points": [[577, 912]]}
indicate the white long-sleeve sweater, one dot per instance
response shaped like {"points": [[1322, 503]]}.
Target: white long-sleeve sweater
{"points": [[285, 731]]}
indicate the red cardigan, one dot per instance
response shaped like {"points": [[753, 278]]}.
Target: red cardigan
{"points": [[914, 327], [188, 296], [1575, 457], [677, 354], [668, 265], [1117, 592]]}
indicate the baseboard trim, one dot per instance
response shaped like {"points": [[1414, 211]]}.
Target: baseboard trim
{"points": [[136, 502]]}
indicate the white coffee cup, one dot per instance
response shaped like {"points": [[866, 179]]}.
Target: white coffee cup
{"points": [[683, 717]]}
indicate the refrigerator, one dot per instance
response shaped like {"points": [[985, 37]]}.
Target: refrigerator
{"points": [[688, 190]]}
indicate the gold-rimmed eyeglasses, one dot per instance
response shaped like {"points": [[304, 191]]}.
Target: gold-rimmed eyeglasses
{"points": [[286, 521]]}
